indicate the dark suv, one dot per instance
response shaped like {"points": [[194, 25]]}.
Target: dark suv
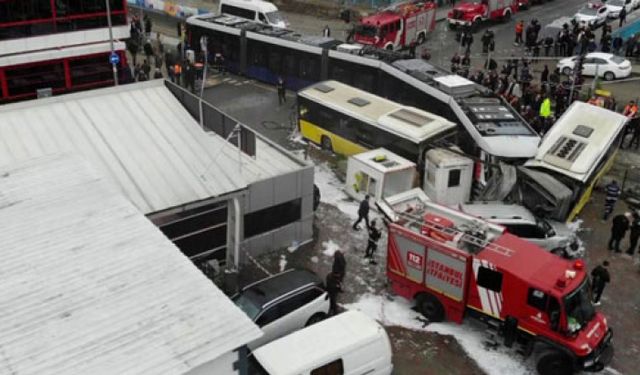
{"points": [[283, 303]]}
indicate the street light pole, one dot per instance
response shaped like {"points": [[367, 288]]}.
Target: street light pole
{"points": [[114, 64]]}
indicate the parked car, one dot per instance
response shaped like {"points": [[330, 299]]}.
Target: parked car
{"points": [[284, 303], [594, 16], [615, 6], [350, 343], [609, 66], [554, 236]]}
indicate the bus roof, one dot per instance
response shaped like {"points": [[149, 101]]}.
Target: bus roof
{"points": [[579, 140], [407, 122]]}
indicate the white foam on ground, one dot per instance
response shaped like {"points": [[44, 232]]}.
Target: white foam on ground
{"points": [[575, 227], [314, 259], [398, 312], [329, 248], [331, 191], [283, 262]]}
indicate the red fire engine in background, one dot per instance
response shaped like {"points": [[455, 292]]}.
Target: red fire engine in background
{"points": [[398, 26], [472, 13], [454, 265]]}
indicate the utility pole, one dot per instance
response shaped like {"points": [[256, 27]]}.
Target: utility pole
{"points": [[113, 57]]}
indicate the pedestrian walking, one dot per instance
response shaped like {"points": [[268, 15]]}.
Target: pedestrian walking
{"points": [[634, 233], [519, 30], [372, 246], [612, 193], [146, 67], [599, 278], [177, 73], [334, 286], [282, 97], [363, 213], [544, 76], [147, 25], [619, 227], [326, 32], [339, 266], [623, 16], [486, 39]]}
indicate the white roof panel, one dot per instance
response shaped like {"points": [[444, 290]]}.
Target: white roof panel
{"points": [[141, 137], [383, 160], [90, 286]]}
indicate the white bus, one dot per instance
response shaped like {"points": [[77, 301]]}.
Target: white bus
{"points": [[576, 152], [254, 10], [348, 121]]}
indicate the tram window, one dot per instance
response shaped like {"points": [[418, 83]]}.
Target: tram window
{"points": [[275, 62], [26, 80], [290, 65]]}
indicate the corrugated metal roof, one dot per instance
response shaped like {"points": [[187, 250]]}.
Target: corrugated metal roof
{"points": [[140, 136], [90, 286]]}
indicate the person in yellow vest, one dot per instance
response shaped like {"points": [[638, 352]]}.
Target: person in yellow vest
{"points": [[545, 114]]}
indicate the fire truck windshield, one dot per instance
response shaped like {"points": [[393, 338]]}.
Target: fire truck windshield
{"points": [[579, 308], [366, 30]]}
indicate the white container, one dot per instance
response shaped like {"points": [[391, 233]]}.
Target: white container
{"points": [[448, 177]]}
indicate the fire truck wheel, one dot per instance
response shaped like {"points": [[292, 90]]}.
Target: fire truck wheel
{"points": [[325, 142], [452, 26], [475, 25], [421, 38], [430, 307], [316, 318], [554, 362], [506, 17]]}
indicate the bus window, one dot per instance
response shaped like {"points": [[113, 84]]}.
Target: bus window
{"points": [[26, 80], [90, 70], [275, 62], [290, 65], [24, 10]]}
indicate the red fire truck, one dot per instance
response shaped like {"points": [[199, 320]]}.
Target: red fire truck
{"points": [[398, 26], [472, 13], [454, 265]]}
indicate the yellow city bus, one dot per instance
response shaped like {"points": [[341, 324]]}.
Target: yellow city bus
{"points": [[348, 121], [577, 151]]}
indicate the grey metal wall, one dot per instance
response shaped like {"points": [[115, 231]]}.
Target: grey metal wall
{"points": [[278, 190]]}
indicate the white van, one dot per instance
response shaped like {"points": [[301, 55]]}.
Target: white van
{"points": [[254, 10], [348, 343]]}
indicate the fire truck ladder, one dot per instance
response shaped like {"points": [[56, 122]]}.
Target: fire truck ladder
{"points": [[473, 236]]}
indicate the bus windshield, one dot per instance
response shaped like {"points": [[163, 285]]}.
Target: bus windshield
{"points": [[366, 30], [578, 307]]}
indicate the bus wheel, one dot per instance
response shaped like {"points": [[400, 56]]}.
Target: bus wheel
{"points": [[325, 142], [429, 306], [554, 362]]}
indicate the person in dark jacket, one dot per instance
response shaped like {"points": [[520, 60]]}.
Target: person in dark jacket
{"points": [[544, 76], [339, 266], [619, 227], [282, 97], [622, 17], [612, 193], [634, 233], [363, 213], [334, 286], [374, 236], [600, 277]]}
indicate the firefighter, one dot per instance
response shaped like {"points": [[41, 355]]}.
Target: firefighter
{"points": [[339, 266], [372, 246], [634, 233], [334, 286], [600, 277], [612, 193], [619, 227], [363, 213]]}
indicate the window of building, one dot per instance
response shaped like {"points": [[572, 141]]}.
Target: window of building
{"points": [[24, 10], [490, 279], [538, 299], [332, 368], [272, 218], [454, 178]]}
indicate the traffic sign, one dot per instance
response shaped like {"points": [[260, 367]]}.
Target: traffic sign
{"points": [[114, 58]]}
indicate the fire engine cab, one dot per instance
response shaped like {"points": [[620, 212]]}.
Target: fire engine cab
{"points": [[472, 13], [398, 26], [454, 265]]}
